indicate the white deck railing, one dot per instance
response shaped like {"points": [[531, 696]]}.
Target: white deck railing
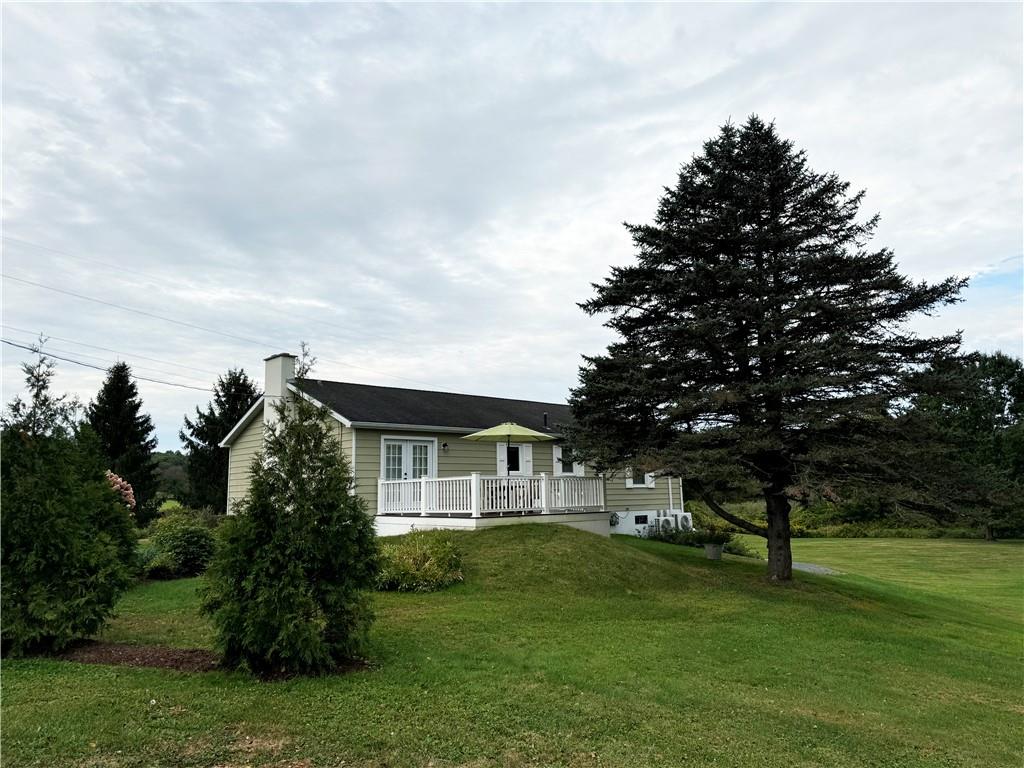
{"points": [[478, 495]]}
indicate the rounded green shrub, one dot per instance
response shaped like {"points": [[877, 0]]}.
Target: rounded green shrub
{"points": [[170, 507], [183, 547], [422, 561]]}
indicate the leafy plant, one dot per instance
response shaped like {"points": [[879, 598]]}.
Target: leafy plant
{"points": [[710, 536], [182, 545], [422, 561]]}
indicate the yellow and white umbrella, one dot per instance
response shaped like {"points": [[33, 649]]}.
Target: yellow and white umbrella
{"points": [[508, 433]]}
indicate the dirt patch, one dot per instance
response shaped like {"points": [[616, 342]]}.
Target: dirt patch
{"points": [[155, 656]]}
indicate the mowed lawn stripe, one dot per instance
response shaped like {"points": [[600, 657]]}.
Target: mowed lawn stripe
{"points": [[566, 649]]}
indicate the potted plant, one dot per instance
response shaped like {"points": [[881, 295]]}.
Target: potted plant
{"points": [[713, 541]]}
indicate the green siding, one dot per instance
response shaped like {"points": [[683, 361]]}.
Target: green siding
{"points": [[619, 498], [242, 451], [464, 457]]}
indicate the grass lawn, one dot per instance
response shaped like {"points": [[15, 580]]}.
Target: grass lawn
{"points": [[566, 649]]}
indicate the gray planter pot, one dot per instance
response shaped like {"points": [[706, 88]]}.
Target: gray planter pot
{"points": [[713, 551]]}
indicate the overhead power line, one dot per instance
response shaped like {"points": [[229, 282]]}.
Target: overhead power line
{"points": [[122, 307], [194, 326], [163, 281], [36, 350], [108, 349]]}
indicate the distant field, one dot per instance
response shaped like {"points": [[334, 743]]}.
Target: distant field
{"points": [[565, 649]]}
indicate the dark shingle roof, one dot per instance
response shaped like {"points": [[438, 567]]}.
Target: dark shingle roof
{"points": [[392, 405]]}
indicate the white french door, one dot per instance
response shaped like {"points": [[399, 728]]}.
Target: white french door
{"points": [[407, 459]]}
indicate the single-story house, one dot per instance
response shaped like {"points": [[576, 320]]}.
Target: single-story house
{"points": [[414, 470]]}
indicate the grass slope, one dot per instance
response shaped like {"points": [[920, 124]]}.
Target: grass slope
{"points": [[566, 649]]}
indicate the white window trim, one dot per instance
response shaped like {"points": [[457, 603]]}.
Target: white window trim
{"points": [[556, 459], [648, 479], [497, 459], [432, 457]]}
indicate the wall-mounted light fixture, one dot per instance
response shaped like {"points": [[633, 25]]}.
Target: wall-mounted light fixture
{"points": [[444, 447]]}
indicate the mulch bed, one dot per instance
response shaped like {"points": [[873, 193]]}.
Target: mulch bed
{"points": [[156, 656]]}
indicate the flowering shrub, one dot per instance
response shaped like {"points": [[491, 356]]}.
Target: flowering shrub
{"points": [[123, 489]]}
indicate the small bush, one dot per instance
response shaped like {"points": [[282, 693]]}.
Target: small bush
{"points": [[740, 547], [422, 561], [170, 507], [181, 547]]}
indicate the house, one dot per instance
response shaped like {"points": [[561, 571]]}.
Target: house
{"points": [[414, 470]]}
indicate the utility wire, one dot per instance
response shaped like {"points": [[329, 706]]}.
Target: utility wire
{"points": [[155, 316], [36, 350], [162, 281], [142, 312], [47, 350], [107, 349]]}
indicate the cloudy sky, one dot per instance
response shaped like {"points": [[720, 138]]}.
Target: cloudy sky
{"points": [[424, 192]]}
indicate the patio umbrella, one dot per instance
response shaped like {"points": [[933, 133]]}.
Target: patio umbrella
{"points": [[507, 433]]}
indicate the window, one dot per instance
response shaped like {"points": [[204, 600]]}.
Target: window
{"points": [[640, 519], [637, 478], [564, 465], [392, 461]]}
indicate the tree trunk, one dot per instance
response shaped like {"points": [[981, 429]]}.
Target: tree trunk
{"points": [[780, 554], [990, 534]]}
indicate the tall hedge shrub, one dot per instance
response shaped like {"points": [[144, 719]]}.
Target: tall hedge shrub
{"points": [[287, 589], [68, 543]]}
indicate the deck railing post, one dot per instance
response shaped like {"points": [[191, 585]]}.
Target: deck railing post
{"points": [[423, 495], [474, 494], [545, 500]]}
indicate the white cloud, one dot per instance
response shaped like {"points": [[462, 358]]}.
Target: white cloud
{"points": [[425, 191]]}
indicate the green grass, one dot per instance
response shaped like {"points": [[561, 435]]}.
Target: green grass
{"points": [[565, 649]]}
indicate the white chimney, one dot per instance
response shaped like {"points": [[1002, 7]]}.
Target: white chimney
{"points": [[278, 370]]}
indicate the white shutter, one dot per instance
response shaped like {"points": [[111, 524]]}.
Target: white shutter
{"points": [[502, 460], [526, 459]]}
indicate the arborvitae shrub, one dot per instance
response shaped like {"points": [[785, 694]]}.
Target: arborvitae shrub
{"points": [[68, 549], [287, 589]]}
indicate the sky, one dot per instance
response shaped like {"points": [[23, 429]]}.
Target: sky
{"points": [[425, 192]]}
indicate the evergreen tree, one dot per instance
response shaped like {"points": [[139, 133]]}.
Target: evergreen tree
{"points": [[763, 346], [971, 420], [126, 435], [233, 395], [68, 548], [287, 587]]}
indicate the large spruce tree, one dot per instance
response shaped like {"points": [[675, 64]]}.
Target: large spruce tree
{"points": [[233, 395], [762, 344], [126, 435]]}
